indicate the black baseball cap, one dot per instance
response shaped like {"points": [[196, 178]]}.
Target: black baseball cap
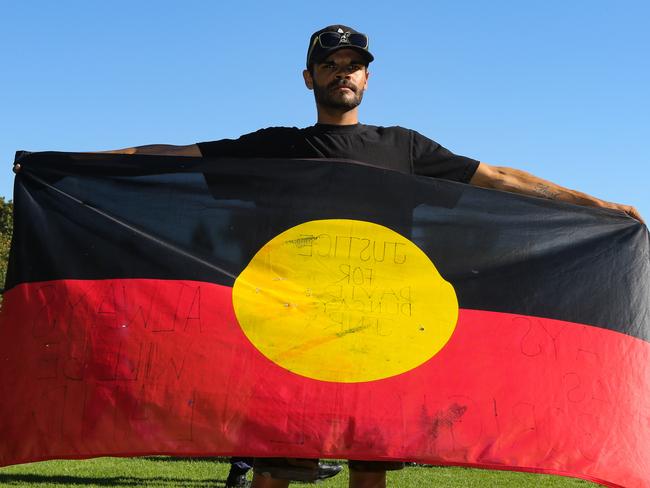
{"points": [[324, 42]]}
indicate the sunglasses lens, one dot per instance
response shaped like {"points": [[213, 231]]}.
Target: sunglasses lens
{"points": [[329, 39], [359, 40]]}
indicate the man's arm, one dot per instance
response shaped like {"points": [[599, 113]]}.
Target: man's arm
{"points": [[160, 150], [517, 181]]}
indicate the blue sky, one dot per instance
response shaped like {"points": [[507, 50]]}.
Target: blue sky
{"points": [[557, 88]]}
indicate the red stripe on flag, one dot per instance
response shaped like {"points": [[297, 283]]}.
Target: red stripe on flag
{"points": [[134, 367]]}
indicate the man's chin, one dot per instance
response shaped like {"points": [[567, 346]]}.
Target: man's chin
{"points": [[345, 98]]}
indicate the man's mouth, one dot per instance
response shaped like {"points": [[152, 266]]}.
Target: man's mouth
{"points": [[342, 87]]}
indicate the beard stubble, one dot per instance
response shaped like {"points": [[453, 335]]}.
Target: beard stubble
{"points": [[326, 95]]}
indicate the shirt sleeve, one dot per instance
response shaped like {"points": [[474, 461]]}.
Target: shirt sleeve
{"points": [[243, 147], [271, 142], [431, 159]]}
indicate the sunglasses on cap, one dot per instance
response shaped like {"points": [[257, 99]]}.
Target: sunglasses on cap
{"points": [[329, 40]]}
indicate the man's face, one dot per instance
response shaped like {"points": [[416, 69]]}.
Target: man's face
{"points": [[339, 80]]}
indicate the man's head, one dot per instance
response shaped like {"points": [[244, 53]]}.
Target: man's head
{"points": [[337, 62]]}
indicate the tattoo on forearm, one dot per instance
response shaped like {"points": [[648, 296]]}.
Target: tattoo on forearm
{"points": [[546, 191]]}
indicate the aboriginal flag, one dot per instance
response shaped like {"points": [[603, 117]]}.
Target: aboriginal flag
{"points": [[317, 308]]}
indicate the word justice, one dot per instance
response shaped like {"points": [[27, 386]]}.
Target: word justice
{"points": [[350, 247]]}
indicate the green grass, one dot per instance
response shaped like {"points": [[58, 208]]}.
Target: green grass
{"points": [[211, 472]]}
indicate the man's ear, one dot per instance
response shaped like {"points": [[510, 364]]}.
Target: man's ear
{"points": [[365, 86], [309, 81]]}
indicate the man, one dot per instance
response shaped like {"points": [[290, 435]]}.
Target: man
{"points": [[337, 72]]}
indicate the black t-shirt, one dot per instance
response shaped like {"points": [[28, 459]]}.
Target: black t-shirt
{"points": [[393, 148]]}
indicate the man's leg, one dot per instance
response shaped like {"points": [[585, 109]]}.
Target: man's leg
{"points": [[367, 479], [261, 481], [371, 474]]}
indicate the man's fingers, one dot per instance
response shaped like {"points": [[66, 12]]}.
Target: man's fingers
{"points": [[633, 212], [627, 209]]}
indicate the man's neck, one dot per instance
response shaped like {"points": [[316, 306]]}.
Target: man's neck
{"points": [[337, 117]]}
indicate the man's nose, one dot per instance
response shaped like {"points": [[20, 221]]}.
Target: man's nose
{"points": [[343, 72]]}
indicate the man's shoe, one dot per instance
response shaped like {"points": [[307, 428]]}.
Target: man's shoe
{"points": [[238, 481], [328, 470], [295, 469]]}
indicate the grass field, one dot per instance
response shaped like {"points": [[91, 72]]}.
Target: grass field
{"points": [[171, 472]]}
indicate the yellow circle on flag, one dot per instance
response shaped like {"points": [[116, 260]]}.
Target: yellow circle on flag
{"points": [[344, 301]]}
